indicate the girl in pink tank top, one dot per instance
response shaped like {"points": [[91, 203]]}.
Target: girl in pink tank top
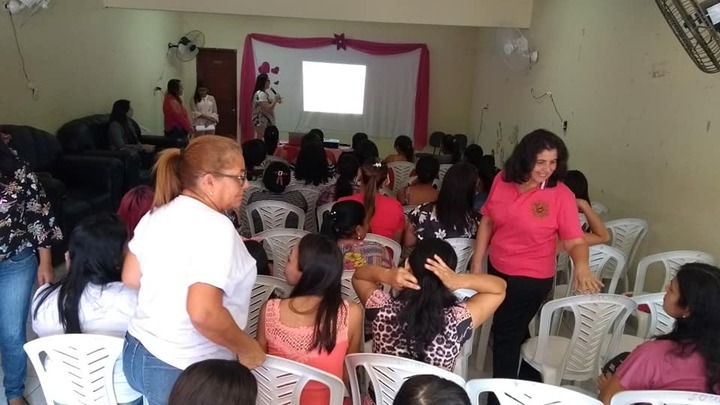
{"points": [[315, 326]]}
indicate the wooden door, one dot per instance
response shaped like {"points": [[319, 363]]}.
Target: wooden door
{"points": [[217, 69]]}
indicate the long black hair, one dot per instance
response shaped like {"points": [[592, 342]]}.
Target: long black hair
{"points": [[699, 286], [196, 96], [321, 264], [260, 83], [374, 173], [454, 205], [522, 160], [576, 181], [423, 313], [254, 154], [173, 89], [311, 165], [119, 114], [9, 163], [347, 168], [96, 249], [427, 389], [343, 219], [403, 144]]}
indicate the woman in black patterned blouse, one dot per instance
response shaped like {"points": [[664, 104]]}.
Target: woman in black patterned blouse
{"points": [[27, 226]]}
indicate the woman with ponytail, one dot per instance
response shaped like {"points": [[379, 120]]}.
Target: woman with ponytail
{"points": [[345, 224], [404, 148], [193, 272], [348, 168], [315, 325], [425, 321], [90, 298], [384, 214]]}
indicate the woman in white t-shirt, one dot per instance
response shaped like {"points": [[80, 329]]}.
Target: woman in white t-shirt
{"points": [[204, 110], [194, 273], [93, 298], [263, 105]]}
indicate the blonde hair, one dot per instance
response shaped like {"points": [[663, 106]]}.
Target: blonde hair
{"points": [[178, 169]]}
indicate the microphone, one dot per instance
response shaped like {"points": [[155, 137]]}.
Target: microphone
{"points": [[273, 90]]}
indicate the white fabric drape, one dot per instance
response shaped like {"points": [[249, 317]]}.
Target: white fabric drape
{"points": [[390, 89]]}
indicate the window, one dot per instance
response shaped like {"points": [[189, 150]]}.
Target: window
{"points": [[333, 87]]}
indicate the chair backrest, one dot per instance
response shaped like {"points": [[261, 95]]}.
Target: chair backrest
{"points": [[278, 243], [595, 316], [263, 289], [600, 209], [320, 212], [606, 262], [516, 392], [626, 235], [311, 196], [348, 291], [388, 373], [464, 249], [660, 322], [408, 208], [86, 361], [671, 261], [388, 243], [244, 221], [441, 173], [281, 382], [400, 174], [664, 398], [273, 214]]}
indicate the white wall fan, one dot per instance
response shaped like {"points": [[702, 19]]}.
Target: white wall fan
{"points": [[514, 49], [696, 24], [188, 46], [16, 6]]}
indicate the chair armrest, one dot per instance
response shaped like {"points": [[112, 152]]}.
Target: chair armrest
{"points": [[104, 174], [163, 142]]}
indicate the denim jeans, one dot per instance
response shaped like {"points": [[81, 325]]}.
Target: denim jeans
{"points": [[146, 373], [17, 276]]}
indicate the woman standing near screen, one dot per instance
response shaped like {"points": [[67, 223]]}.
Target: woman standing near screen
{"points": [[263, 105]]}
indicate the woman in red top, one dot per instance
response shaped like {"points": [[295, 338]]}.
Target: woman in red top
{"points": [[527, 211], [177, 122]]}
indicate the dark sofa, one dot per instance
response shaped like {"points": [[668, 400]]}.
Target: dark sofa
{"points": [[77, 186]]}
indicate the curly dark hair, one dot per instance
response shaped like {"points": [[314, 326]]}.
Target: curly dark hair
{"points": [[522, 160]]}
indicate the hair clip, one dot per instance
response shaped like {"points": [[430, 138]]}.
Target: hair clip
{"points": [[333, 213], [377, 164], [279, 180]]}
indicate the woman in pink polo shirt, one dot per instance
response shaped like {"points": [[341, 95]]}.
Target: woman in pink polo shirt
{"points": [[527, 211]]}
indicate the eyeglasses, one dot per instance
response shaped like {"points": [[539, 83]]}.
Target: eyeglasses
{"points": [[240, 179]]}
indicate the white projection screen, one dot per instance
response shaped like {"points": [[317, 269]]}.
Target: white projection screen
{"points": [[328, 99]]}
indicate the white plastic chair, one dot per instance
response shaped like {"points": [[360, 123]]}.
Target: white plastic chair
{"points": [[320, 212], [408, 208], [461, 364], [605, 262], [626, 235], [578, 358], [664, 398], [388, 243], [441, 173], [311, 196], [464, 249], [660, 324], [348, 291], [517, 392], [273, 214], [600, 209], [401, 174], [87, 362], [278, 244], [671, 262], [264, 287], [388, 373], [253, 187], [281, 382]]}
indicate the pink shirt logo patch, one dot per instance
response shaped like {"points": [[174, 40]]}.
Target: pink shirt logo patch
{"points": [[540, 209]]}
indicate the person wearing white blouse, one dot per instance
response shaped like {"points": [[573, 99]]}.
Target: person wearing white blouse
{"points": [[204, 110]]}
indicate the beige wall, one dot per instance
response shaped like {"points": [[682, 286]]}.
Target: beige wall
{"points": [[452, 51], [642, 122], [83, 57], [474, 13]]}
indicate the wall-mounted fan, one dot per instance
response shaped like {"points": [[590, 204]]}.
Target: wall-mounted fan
{"points": [[188, 45], [514, 49], [16, 6], [695, 25]]}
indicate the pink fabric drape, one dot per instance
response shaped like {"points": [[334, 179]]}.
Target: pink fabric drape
{"points": [[248, 75]]}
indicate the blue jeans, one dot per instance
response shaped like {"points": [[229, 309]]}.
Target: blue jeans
{"points": [[146, 373], [17, 276]]}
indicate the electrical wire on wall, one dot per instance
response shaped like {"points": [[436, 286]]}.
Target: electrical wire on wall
{"points": [[30, 84], [482, 121], [158, 85], [549, 94]]}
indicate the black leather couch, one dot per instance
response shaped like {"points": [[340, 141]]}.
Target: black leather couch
{"points": [[77, 186], [87, 136]]}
